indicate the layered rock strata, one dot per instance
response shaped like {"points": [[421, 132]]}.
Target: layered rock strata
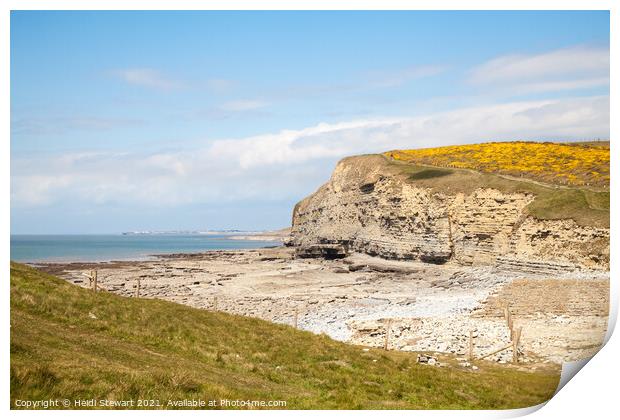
{"points": [[366, 207]]}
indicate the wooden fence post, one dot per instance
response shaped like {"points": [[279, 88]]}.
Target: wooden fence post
{"points": [[138, 288], [95, 281], [90, 278], [509, 320], [471, 345], [215, 303], [296, 318], [388, 328], [515, 344]]}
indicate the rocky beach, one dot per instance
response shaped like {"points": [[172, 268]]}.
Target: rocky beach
{"points": [[428, 308]]}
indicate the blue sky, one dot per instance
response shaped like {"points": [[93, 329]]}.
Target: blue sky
{"points": [[199, 120]]}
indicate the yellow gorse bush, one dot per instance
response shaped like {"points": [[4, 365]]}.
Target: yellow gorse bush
{"points": [[559, 163]]}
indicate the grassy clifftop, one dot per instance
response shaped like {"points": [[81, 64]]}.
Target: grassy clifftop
{"points": [[70, 343], [575, 164], [568, 180]]}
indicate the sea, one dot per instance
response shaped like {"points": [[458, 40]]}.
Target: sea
{"points": [[120, 247]]}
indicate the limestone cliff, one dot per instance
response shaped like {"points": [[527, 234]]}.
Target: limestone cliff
{"points": [[369, 207]]}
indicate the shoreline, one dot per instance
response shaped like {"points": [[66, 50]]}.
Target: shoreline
{"points": [[427, 307], [141, 252]]}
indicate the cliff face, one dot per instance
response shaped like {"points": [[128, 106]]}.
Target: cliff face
{"points": [[367, 208]]}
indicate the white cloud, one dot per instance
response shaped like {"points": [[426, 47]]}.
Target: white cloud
{"points": [[147, 77], [293, 146], [570, 118], [290, 163], [564, 69]]}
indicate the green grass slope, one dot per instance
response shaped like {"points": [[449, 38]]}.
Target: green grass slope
{"points": [[585, 206], [70, 343]]}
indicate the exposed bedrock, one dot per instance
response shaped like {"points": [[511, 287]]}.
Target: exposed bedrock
{"points": [[367, 208]]}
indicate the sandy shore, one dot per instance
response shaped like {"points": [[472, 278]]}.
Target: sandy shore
{"points": [[426, 307]]}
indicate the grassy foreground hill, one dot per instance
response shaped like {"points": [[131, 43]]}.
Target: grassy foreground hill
{"points": [[71, 343]]}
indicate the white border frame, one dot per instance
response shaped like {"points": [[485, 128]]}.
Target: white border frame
{"points": [[593, 393]]}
